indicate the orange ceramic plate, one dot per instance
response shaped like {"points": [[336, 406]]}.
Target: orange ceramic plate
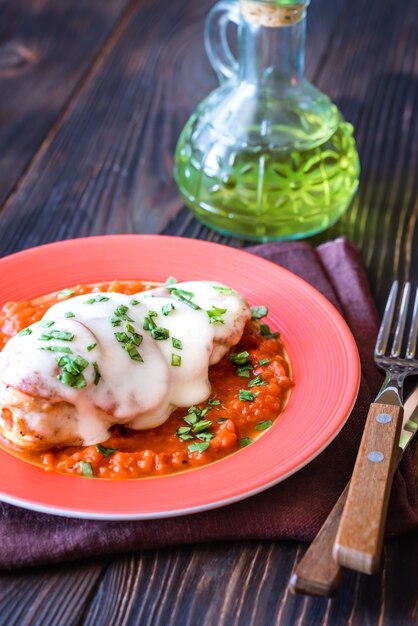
{"points": [[320, 346]]}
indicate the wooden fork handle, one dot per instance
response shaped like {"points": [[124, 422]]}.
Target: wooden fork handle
{"points": [[318, 573], [359, 540]]}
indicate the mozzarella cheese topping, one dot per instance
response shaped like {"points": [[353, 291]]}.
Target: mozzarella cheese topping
{"points": [[119, 359]]}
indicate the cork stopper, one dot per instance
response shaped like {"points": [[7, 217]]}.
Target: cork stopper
{"points": [[272, 15]]}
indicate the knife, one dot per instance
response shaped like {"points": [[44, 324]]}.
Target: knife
{"points": [[318, 573]]}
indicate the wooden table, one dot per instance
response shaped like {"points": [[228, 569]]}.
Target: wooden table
{"points": [[93, 97]]}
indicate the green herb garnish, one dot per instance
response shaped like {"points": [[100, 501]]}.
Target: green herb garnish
{"points": [[122, 337], [72, 368], [201, 425], [160, 333], [257, 382], [170, 281], [246, 395], [46, 324], [91, 347], [245, 441], [69, 314], [205, 436], [264, 361], [65, 293], [120, 312], [215, 315], [167, 308], [175, 360], [97, 374], [64, 349], [98, 298], [239, 358], [86, 469], [184, 296], [176, 343], [134, 302], [257, 312], [213, 402], [105, 451], [198, 447], [225, 291], [25, 331], [244, 371], [191, 418], [266, 332], [64, 335], [264, 424]]}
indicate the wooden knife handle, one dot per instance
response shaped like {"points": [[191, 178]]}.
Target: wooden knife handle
{"points": [[318, 573], [359, 539]]}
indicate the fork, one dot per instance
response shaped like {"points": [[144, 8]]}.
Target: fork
{"points": [[359, 539]]}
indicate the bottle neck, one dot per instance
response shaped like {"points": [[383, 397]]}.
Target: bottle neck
{"points": [[272, 57]]}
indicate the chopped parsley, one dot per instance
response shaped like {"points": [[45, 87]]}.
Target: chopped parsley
{"points": [[264, 361], [159, 333], [98, 298], [91, 347], [86, 469], [267, 333], [184, 296], [183, 432], [176, 343], [105, 451], [198, 447], [64, 335], [25, 331], [245, 370], [69, 314], [201, 425], [134, 302], [64, 349], [46, 324], [175, 360], [257, 382], [264, 425], [170, 281], [215, 315], [122, 337], [97, 374], [239, 358], [245, 441], [257, 312], [71, 371], [167, 308], [65, 293], [246, 395], [225, 291], [120, 312], [213, 402]]}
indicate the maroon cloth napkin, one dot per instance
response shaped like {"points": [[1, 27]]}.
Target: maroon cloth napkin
{"points": [[294, 509]]}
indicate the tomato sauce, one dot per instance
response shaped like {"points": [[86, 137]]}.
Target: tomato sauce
{"points": [[247, 397]]}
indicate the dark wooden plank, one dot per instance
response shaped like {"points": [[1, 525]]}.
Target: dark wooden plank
{"points": [[109, 165], [49, 596], [46, 48], [247, 586]]}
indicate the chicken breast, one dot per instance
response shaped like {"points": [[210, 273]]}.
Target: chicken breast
{"points": [[104, 359]]}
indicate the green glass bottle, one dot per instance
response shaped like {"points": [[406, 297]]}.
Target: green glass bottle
{"points": [[266, 156]]}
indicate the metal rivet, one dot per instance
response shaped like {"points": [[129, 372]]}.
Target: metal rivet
{"points": [[375, 456], [383, 418]]}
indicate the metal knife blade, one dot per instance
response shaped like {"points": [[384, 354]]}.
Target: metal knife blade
{"points": [[410, 420]]}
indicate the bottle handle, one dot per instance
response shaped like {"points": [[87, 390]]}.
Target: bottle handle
{"points": [[216, 39]]}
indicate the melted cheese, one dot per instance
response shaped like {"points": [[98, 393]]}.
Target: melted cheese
{"points": [[138, 394]]}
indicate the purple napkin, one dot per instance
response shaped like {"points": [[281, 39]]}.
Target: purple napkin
{"points": [[294, 509]]}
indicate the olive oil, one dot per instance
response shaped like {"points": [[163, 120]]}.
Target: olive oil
{"points": [[264, 193], [266, 156]]}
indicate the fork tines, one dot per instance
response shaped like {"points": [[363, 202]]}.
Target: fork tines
{"points": [[385, 328]]}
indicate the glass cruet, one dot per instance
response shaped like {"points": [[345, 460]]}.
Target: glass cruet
{"points": [[266, 156]]}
